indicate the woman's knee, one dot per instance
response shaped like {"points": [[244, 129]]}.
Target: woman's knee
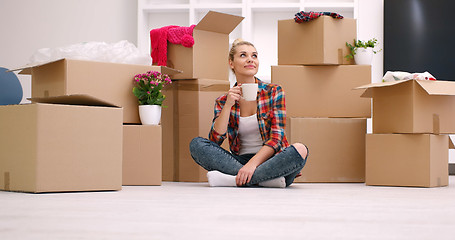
{"points": [[195, 144], [301, 149]]}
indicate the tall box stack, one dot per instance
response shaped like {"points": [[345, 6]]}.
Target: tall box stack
{"points": [[407, 147], [204, 77], [323, 111]]}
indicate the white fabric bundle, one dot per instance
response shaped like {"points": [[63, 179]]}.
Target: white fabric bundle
{"points": [[120, 52], [395, 76]]}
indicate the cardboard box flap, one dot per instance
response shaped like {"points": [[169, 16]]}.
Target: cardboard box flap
{"points": [[219, 22], [431, 87], [170, 71], [203, 85], [438, 87], [451, 145], [76, 99], [27, 69]]}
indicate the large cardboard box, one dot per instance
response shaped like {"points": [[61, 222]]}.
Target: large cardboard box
{"points": [[336, 148], [111, 82], [324, 91], [170, 133], [318, 42], [142, 155], [208, 58], [61, 148], [412, 106], [415, 160], [196, 100]]}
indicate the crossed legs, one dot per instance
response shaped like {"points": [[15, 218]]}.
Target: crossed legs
{"points": [[286, 164]]}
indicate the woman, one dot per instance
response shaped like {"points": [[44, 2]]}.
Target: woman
{"points": [[260, 153]]}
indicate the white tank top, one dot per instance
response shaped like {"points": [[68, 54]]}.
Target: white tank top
{"points": [[250, 137]]}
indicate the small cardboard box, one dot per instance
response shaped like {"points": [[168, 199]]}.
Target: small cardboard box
{"points": [[111, 82], [318, 42], [414, 160], [208, 58], [170, 130], [60, 147], [412, 106], [324, 91], [196, 100], [336, 148], [142, 155]]}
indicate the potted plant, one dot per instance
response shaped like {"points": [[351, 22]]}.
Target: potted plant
{"points": [[147, 88], [362, 51]]}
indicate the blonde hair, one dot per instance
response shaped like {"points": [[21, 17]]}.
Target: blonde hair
{"points": [[237, 42]]}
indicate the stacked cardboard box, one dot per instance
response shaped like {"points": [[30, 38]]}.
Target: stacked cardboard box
{"points": [[73, 132], [191, 97], [406, 147], [323, 111], [56, 146]]}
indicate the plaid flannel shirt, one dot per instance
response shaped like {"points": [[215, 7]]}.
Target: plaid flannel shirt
{"points": [[271, 114]]}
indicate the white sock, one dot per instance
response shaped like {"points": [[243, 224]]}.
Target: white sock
{"points": [[274, 183], [219, 179]]}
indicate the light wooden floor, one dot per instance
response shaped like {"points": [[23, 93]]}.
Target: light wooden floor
{"points": [[196, 211]]}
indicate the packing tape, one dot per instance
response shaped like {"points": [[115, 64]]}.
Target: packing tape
{"points": [[7, 181], [436, 129], [340, 56]]}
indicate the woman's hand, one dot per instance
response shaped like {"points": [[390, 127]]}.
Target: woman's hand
{"points": [[245, 174], [233, 95]]}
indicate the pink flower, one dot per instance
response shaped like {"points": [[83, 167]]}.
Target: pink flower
{"points": [[148, 92]]}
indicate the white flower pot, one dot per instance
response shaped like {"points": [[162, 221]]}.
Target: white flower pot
{"points": [[363, 56], [150, 114]]}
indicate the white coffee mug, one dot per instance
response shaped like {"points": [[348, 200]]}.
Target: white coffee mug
{"points": [[249, 91]]}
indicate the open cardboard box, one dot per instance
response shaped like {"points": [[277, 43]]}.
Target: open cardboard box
{"points": [[56, 146], [142, 155], [413, 160], [324, 91], [208, 56], [321, 41], [336, 148], [412, 106], [111, 82]]}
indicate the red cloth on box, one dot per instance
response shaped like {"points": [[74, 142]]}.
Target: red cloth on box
{"points": [[173, 34]]}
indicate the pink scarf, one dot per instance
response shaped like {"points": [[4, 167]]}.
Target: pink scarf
{"points": [[173, 34]]}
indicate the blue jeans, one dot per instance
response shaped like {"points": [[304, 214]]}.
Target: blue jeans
{"points": [[288, 163]]}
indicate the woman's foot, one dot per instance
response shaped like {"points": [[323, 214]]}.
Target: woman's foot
{"points": [[219, 179], [274, 183]]}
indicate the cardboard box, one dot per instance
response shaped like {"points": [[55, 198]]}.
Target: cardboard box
{"points": [[142, 155], [336, 148], [111, 82], [61, 148], [208, 58], [318, 42], [412, 106], [196, 99], [170, 133], [414, 160], [324, 91]]}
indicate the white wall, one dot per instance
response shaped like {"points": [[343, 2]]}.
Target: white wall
{"points": [[28, 25]]}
